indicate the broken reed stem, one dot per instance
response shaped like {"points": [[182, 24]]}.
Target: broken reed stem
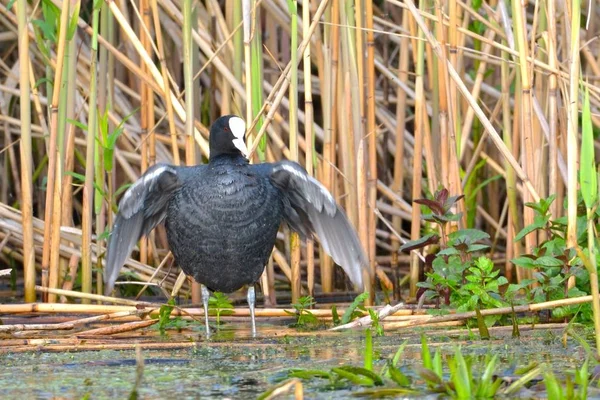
{"points": [[152, 310], [111, 330], [472, 314], [90, 296]]}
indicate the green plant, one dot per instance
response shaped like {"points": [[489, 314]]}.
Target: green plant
{"points": [[166, 322], [304, 317], [553, 262], [455, 278], [219, 304], [375, 322], [356, 309]]}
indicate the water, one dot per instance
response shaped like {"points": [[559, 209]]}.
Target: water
{"points": [[234, 366]]}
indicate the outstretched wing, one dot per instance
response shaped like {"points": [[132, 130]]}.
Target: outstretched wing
{"points": [[143, 206], [310, 208]]}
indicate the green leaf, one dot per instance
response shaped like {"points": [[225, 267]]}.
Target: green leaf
{"points": [[477, 247], [73, 23], [429, 376], [425, 354], [553, 387], [473, 235], [358, 375], [10, 4], [334, 315], [431, 238], [78, 124], [588, 179], [46, 28], [525, 262], [547, 261], [368, 358], [397, 376], [460, 376], [308, 373], [350, 312]]}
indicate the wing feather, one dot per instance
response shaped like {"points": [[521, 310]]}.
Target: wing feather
{"points": [[143, 206], [322, 216]]}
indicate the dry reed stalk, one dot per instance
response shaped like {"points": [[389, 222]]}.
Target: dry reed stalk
{"points": [[495, 311], [88, 188], [164, 70], [120, 316], [145, 108], [417, 161], [124, 24], [308, 135], [397, 185], [79, 346], [286, 387], [90, 296], [121, 328], [26, 155], [572, 124], [54, 154], [478, 111], [34, 327], [60, 308], [296, 274], [328, 98], [280, 87], [371, 133], [69, 148], [188, 74], [247, 19], [155, 273], [526, 126]]}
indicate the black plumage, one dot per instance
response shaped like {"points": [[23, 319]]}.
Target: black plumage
{"points": [[222, 218]]}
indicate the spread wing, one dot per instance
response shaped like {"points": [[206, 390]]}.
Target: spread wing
{"points": [[143, 206], [310, 208]]}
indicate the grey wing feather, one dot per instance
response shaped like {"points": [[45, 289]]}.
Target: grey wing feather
{"points": [[143, 206], [310, 208]]}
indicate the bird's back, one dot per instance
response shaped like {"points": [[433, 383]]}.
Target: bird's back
{"points": [[222, 223]]}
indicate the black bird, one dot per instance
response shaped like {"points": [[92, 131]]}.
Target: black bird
{"points": [[222, 218]]}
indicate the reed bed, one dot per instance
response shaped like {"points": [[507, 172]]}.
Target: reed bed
{"points": [[383, 102]]}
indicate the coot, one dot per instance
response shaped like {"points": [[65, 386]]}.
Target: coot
{"points": [[222, 218]]}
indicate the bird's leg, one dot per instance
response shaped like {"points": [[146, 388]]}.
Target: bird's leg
{"points": [[205, 297], [251, 301]]}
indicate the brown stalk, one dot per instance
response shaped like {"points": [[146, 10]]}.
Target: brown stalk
{"points": [[26, 155], [54, 163]]}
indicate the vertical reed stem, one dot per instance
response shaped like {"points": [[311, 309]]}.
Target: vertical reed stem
{"points": [[88, 188], [26, 154], [293, 107], [188, 76], [308, 136]]}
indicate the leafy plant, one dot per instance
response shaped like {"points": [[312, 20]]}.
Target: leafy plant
{"points": [[454, 277], [375, 323], [356, 309], [166, 322], [219, 304], [552, 262], [303, 316]]}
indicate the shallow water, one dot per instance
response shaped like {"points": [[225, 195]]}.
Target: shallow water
{"points": [[234, 366]]}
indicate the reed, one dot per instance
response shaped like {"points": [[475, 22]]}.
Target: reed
{"points": [[393, 100], [26, 155]]}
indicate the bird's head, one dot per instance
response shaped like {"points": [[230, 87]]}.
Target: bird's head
{"points": [[227, 136]]}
